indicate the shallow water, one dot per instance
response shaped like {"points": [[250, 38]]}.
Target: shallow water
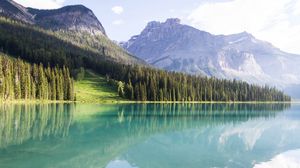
{"points": [[148, 135]]}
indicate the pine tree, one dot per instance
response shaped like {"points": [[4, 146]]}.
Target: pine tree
{"points": [[53, 86], [1, 79]]}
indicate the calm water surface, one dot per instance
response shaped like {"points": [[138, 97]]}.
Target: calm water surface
{"points": [[149, 135]]}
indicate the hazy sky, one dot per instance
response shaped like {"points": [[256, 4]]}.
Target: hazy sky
{"points": [[276, 21]]}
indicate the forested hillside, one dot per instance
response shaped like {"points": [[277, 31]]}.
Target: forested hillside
{"points": [[36, 45], [158, 85], [21, 80], [75, 24]]}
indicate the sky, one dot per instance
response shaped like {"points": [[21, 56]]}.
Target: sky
{"points": [[275, 21]]}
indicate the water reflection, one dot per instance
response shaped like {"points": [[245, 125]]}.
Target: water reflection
{"points": [[144, 119], [20, 122], [68, 135]]}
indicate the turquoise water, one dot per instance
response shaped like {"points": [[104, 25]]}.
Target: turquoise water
{"points": [[146, 135]]}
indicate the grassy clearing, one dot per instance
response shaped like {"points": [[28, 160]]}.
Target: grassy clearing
{"points": [[95, 89]]}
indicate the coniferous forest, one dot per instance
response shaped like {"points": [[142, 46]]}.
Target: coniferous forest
{"points": [[136, 82], [155, 85], [21, 80]]}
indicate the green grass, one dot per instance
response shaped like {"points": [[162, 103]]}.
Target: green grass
{"points": [[95, 89]]}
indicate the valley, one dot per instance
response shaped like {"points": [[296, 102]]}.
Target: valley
{"points": [[74, 38], [195, 87]]}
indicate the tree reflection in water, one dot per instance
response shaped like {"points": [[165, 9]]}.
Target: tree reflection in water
{"points": [[20, 122]]}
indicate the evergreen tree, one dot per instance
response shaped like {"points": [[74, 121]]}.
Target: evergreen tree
{"points": [[20, 80]]}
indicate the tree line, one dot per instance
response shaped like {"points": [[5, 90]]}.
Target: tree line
{"points": [[136, 82], [21, 80], [146, 84]]}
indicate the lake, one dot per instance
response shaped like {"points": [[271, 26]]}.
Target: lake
{"points": [[149, 135]]}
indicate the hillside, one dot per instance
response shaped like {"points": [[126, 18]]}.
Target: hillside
{"points": [[72, 18], [15, 11], [74, 24], [94, 88]]}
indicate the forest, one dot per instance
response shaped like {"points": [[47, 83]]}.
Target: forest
{"points": [[156, 85], [136, 82], [21, 80]]}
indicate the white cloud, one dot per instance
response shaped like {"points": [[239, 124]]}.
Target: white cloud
{"points": [[118, 22], [117, 9], [250, 132], [282, 160], [267, 20], [41, 4], [297, 8]]}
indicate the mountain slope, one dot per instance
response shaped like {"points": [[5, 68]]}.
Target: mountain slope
{"points": [[75, 24], [15, 11], [77, 18], [176, 47]]}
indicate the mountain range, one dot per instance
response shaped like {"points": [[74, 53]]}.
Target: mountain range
{"points": [[173, 46]]}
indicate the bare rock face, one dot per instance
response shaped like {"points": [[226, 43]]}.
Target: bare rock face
{"points": [[15, 11], [75, 18], [176, 47]]}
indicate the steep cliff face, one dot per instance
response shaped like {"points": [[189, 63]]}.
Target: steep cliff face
{"points": [[13, 10], [75, 18], [177, 47]]}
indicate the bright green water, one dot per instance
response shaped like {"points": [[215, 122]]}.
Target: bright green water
{"points": [[146, 135]]}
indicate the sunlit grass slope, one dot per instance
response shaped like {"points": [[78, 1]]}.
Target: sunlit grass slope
{"points": [[94, 89]]}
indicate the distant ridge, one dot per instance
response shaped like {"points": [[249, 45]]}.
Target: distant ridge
{"points": [[173, 46]]}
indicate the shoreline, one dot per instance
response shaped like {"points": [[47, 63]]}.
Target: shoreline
{"points": [[146, 102]]}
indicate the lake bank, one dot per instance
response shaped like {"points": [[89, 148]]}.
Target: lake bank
{"points": [[143, 102]]}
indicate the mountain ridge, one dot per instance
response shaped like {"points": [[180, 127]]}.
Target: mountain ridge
{"points": [[173, 46], [11, 9], [72, 17], [75, 24], [76, 51]]}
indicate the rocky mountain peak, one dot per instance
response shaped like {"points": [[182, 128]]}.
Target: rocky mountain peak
{"points": [[176, 47], [75, 8], [244, 34], [168, 23], [11, 9], [74, 18], [172, 21], [153, 24]]}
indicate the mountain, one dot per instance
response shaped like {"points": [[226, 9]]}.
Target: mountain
{"points": [[75, 24], [76, 17], [72, 38], [142, 83], [15, 11], [173, 46]]}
